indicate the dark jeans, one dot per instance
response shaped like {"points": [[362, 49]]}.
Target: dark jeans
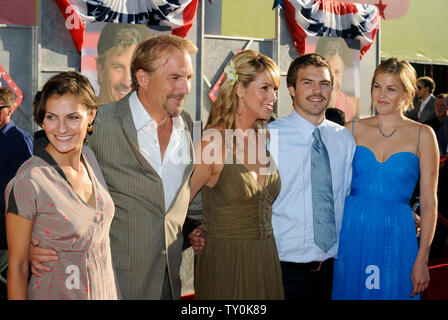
{"points": [[3, 244], [302, 281], [3, 273]]}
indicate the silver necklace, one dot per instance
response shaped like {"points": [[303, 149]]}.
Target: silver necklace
{"points": [[387, 136]]}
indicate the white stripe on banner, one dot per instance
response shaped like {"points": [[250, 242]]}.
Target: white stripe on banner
{"points": [[325, 18], [162, 16], [168, 14]]}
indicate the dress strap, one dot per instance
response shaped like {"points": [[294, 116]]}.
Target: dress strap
{"points": [[418, 143], [353, 126]]}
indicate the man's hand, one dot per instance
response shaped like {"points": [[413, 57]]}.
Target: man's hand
{"points": [[40, 255], [417, 223], [196, 240]]}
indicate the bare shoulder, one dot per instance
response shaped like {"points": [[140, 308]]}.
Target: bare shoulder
{"points": [[424, 131], [211, 149], [427, 141], [360, 125], [349, 125], [370, 121], [411, 123], [212, 135], [211, 132], [428, 135]]}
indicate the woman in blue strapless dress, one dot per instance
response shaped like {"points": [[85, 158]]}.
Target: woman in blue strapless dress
{"points": [[379, 256]]}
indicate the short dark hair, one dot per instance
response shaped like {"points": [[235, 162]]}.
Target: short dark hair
{"points": [[427, 83], [119, 37], [335, 115], [306, 60], [69, 82], [329, 48], [444, 97], [120, 34], [7, 96]]}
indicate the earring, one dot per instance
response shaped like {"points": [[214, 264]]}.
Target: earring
{"points": [[42, 126], [90, 128]]}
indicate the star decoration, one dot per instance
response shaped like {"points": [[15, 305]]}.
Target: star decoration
{"points": [[381, 7], [278, 3]]}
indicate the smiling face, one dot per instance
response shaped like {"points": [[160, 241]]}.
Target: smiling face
{"points": [[114, 74], [258, 98], [65, 123], [166, 88], [388, 95], [337, 64], [312, 93]]}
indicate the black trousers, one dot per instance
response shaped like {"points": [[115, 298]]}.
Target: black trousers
{"points": [[3, 244], [307, 281]]}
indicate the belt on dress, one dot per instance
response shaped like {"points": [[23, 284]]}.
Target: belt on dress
{"points": [[370, 194], [312, 266]]}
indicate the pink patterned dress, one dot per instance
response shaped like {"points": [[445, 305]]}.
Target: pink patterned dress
{"points": [[64, 222]]}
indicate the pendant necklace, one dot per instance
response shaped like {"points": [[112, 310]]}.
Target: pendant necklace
{"points": [[387, 136]]}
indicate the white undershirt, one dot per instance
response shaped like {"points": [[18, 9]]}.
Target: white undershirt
{"points": [[177, 155]]}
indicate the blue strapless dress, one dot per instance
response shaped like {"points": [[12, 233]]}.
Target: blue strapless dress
{"points": [[378, 243]]}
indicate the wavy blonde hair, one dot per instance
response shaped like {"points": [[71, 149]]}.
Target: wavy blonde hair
{"points": [[405, 72], [248, 65]]}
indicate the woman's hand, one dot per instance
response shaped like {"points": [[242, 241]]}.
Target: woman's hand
{"points": [[419, 277]]}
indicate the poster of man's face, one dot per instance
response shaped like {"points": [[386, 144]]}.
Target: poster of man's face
{"points": [[343, 56], [107, 55]]}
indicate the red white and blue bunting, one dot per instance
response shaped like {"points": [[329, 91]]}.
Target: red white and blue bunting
{"points": [[164, 16], [327, 18], [6, 81]]}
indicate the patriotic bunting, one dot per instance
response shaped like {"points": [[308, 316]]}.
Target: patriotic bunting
{"points": [[164, 16], [6, 81], [326, 18]]}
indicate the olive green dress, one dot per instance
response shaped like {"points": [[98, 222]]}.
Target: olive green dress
{"points": [[239, 260]]}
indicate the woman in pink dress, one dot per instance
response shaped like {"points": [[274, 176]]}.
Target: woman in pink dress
{"points": [[59, 197]]}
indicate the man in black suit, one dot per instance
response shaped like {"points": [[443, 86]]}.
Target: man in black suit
{"points": [[424, 109]]}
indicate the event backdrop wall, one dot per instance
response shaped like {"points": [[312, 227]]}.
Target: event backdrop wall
{"points": [[32, 54], [419, 36]]}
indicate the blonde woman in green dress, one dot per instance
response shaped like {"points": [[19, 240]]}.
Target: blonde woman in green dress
{"points": [[239, 182]]}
